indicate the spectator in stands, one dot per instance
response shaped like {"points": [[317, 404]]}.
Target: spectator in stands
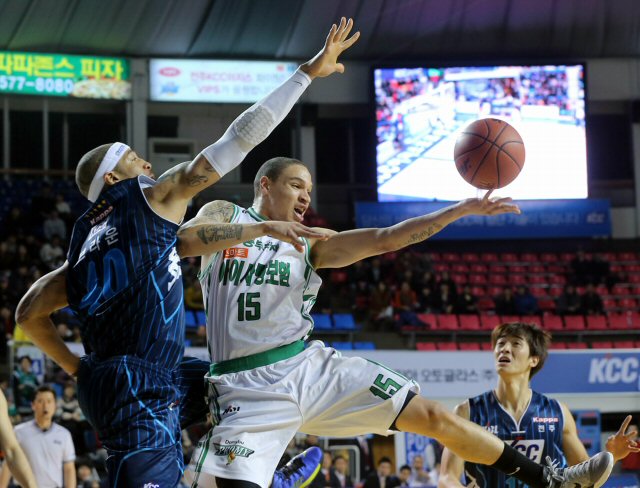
{"points": [[63, 208], [405, 304], [53, 225], [602, 272], [361, 299], [47, 445], [445, 298], [16, 222], [326, 478], [376, 272], [467, 302], [591, 302], [52, 254], [427, 300], [445, 278], [525, 303], [8, 295], [420, 474], [193, 294], [569, 302], [404, 475], [340, 469], [505, 302], [87, 475], [428, 279], [25, 384], [581, 269], [42, 203], [70, 416], [382, 477]]}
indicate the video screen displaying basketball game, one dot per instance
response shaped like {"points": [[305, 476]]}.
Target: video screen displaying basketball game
{"points": [[421, 111]]}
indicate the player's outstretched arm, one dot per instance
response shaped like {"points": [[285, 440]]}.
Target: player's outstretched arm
{"points": [[451, 466], [210, 231], [347, 247], [45, 296], [252, 127], [15, 457]]}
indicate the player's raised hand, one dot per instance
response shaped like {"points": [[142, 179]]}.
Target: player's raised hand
{"points": [[326, 62], [291, 232], [489, 206], [623, 443]]}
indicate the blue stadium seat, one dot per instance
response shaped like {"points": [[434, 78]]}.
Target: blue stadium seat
{"points": [[344, 321], [345, 346], [190, 319], [364, 346], [201, 317], [321, 321]]}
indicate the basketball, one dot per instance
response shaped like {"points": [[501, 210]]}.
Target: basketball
{"points": [[489, 153]]}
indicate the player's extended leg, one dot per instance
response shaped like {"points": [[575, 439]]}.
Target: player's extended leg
{"points": [[472, 443]]}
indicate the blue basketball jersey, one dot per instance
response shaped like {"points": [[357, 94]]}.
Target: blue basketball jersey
{"points": [[537, 435], [124, 279]]}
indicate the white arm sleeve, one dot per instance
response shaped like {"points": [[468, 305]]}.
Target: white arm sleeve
{"points": [[255, 124]]}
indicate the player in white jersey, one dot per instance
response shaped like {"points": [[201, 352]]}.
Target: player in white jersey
{"points": [[265, 385]]}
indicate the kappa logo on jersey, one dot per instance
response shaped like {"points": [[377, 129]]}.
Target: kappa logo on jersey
{"points": [[236, 252], [546, 420], [232, 450], [174, 267], [531, 448], [99, 212]]}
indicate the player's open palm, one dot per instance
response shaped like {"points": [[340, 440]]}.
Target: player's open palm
{"points": [[326, 61], [291, 232], [622, 443]]}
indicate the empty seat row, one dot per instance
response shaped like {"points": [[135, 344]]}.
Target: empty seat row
{"points": [[486, 346], [336, 321]]}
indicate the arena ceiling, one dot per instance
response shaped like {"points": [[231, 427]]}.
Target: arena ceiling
{"points": [[292, 29]]}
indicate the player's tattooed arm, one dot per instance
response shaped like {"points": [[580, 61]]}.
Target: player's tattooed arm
{"points": [[354, 245]]}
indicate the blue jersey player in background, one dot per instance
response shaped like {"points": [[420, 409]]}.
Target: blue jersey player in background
{"points": [[533, 423], [122, 278]]}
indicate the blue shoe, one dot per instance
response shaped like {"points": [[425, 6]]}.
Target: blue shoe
{"points": [[300, 471]]}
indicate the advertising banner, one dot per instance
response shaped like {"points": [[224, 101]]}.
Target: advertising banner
{"points": [[64, 75], [176, 80], [540, 219]]}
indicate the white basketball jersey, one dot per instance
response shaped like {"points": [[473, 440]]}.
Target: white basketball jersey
{"points": [[257, 295]]}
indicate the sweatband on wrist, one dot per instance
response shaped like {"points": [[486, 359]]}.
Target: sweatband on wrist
{"points": [[110, 161], [255, 124]]}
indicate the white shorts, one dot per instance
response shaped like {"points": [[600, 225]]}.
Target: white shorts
{"points": [[257, 412]]}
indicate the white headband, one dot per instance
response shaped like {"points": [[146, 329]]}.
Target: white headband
{"points": [[110, 160]]}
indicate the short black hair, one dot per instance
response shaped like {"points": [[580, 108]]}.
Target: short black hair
{"points": [[272, 169], [44, 389], [405, 466], [384, 459]]}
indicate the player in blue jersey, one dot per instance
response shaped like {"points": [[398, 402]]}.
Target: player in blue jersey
{"points": [[533, 423], [123, 280]]}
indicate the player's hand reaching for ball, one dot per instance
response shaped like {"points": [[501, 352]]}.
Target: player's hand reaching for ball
{"points": [[325, 62], [291, 232], [488, 205]]}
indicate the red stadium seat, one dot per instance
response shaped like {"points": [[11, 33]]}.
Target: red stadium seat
{"points": [[498, 268], [627, 256], [595, 322], [574, 322], [470, 257], [623, 344], [619, 321], [459, 278], [447, 346], [489, 257], [469, 322], [548, 257], [485, 304], [555, 291], [478, 268], [518, 269], [546, 304], [495, 290], [557, 345], [518, 279], [558, 279], [567, 257], [486, 346], [537, 268], [489, 322], [576, 345], [634, 320], [538, 292], [469, 346], [478, 291], [601, 345], [450, 257], [628, 303], [509, 257], [447, 321], [477, 279], [441, 267], [555, 268], [532, 319], [429, 319], [620, 290], [538, 280], [529, 257], [498, 279], [425, 346], [459, 268], [633, 278], [552, 322], [509, 318], [609, 304]]}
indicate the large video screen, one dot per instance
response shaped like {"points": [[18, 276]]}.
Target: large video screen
{"points": [[421, 111]]}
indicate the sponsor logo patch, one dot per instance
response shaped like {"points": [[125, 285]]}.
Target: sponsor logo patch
{"points": [[236, 252]]}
